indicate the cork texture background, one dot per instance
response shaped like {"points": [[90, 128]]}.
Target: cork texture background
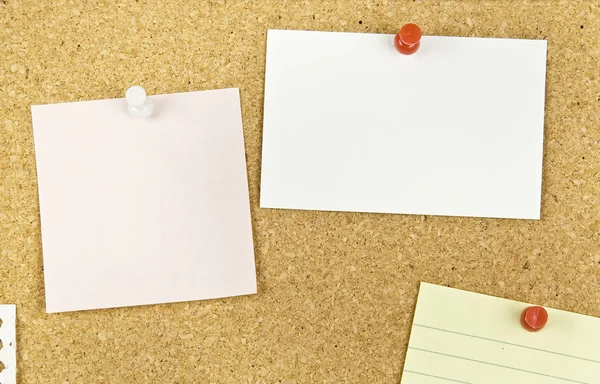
{"points": [[336, 290]]}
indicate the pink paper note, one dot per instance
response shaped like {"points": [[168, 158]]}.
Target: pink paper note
{"points": [[141, 211]]}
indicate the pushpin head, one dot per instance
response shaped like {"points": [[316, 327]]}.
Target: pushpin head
{"points": [[138, 104], [534, 319], [408, 40], [135, 96]]}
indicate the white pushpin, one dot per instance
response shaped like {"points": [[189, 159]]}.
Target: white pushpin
{"points": [[138, 104]]}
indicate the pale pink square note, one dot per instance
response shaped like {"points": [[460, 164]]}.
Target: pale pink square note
{"points": [[141, 211]]}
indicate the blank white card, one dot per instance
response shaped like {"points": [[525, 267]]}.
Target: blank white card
{"points": [[456, 129], [469, 338]]}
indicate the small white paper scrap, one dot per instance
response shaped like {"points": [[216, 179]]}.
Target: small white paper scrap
{"points": [[8, 344]]}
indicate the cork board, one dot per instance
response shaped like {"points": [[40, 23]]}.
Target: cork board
{"points": [[336, 290]]}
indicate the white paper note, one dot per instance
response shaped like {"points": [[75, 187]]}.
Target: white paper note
{"points": [[142, 211], [456, 129], [8, 344], [469, 338]]}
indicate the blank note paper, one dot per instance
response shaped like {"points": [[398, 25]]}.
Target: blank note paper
{"points": [[143, 211], [456, 129], [468, 338]]}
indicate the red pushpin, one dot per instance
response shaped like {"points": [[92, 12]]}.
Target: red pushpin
{"points": [[534, 319], [408, 40]]}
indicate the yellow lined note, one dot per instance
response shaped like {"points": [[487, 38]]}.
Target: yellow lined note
{"points": [[469, 338]]}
